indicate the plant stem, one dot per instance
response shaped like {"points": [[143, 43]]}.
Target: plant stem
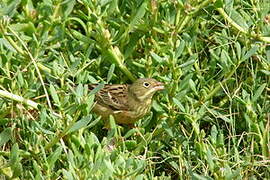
{"points": [[239, 28], [115, 59], [18, 98], [35, 65], [188, 16]]}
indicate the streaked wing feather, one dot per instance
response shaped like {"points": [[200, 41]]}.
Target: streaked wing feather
{"points": [[114, 96]]}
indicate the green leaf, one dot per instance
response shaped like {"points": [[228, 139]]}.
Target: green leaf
{"points": [[140, 13], [20, 79], [250, 53], [265, 141], [238, 50], [45, 131], [70, 157], [129, 48], [113, 7], [28, 28], [110, 73], [199, 177], [225, 60], [54, 95], [220, 140], [14, 154], [16, 166], [55, 155], [157, 107], [79, 91], [139, 168], [218, 3], [185, 81], [219, 115], [266, 72], [80, 124], [237, 17], [267, 53], [180, 49], [67, 175], [167, 128], [258, 92], [93, 123], [17, 169], [179, 104], [5, 43], [188, 63], [209, 158], [67, 7], [10, 9], [90, 101], [214, 134], [130, 133], [192, 86], [156, 57], [5, 136], [140, 177], [96, 89], [109, 165], [112, 126], [37, 169]]}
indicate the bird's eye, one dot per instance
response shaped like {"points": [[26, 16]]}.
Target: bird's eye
{"points": [[146, 84]]}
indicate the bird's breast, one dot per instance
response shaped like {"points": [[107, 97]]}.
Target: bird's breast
{"points": [[141, 108]]}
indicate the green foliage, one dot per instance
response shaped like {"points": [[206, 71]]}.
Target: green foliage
{"points": [[211, 122]]}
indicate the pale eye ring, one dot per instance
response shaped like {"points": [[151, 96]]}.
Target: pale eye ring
{"points": [[146, 84]]}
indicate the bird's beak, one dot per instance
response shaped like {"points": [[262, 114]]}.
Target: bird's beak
{"points": [[159, 86]]}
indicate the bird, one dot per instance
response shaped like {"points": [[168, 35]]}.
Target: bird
{"points": [[127, 103]]}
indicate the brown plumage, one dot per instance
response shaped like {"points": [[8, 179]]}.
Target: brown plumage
{"points": [[127, 103]]}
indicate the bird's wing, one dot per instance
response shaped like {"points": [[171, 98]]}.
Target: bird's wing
{"points": [[115, 96]]}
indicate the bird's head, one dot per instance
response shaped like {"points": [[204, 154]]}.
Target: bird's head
{"points": [[145, 88]]}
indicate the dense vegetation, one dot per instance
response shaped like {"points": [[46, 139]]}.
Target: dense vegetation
{"points": [[211, 122]]}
